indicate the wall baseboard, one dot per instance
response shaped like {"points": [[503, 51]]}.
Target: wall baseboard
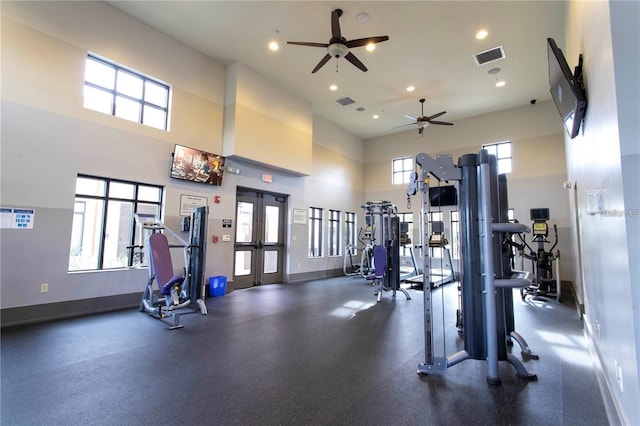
{"points": [[315, 275], [72, 308], [611, 407]]}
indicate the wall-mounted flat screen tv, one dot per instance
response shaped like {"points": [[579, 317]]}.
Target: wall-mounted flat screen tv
{"points": [[566, 89], [197, 166], [442, 196]]}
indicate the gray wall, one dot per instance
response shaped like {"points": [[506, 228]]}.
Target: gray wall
{"points": [[604, 160]]}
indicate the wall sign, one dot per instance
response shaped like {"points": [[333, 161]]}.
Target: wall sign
{"points": [[12, 218], [226, 223], [187, 202], [300, 216]]}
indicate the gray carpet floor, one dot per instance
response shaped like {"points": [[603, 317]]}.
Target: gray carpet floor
{"points": [[314, 353]]}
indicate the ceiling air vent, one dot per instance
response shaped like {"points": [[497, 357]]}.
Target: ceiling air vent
{"points": [[490, 55], [346, 101]]}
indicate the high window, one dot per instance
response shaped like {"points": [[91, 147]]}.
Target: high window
{"points": [[115, 90], [334, 233], [103, 221], [502, 151], [315, 232], [401, 170]]}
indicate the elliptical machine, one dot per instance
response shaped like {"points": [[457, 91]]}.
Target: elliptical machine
{"points": [[545, 264]]}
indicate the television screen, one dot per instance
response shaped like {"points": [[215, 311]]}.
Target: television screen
{"points": [[440, 196], [565, 89], [539, 214], [197, 166]]}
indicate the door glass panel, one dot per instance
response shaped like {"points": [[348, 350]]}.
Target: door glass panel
{"points": [[270, 261], [271, 224], [244, 220], [243, 263]]}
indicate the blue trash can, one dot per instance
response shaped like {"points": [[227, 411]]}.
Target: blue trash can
{"points": [[217, 286]]}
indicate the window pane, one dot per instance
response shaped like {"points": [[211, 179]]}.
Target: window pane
{"points": [[270, 261], [244, 220], [127, 109], [155, 94], [271, 224], [397, 178], [491, 149], [100, 74], [129, 84], [504, 150], [407, 164], [98, 100], [88, 186], [504, 165], [118, 234], [243, 263], [86, 232], [154, 117], [121, 190], [397, 165], [149, 193]]}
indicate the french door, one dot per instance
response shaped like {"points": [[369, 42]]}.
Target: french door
{"points": [[259, 241]]}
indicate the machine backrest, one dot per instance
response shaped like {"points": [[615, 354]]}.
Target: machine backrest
{"points": [[380, 260], [161, 258]]}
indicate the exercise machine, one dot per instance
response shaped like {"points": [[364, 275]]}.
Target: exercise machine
{"points": [[544, 263], [487, 280], [176, 293], [382, 216]]}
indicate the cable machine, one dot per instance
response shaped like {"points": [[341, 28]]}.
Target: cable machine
{"points": [[382, 216], [487, 278]]}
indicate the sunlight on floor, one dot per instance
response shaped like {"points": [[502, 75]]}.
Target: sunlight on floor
{"points": [[571, 348], [351, 308]]}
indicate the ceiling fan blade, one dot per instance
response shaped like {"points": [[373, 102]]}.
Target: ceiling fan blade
{"points": [[411, 118], [304, 43], [335, 24], [321, 63], [420, 130], [364, 41], [403, 125], [355, 61], [436, 115], [445, 123]]}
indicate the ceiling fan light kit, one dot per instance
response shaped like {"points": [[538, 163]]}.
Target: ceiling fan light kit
{"points": [[338, 46]]}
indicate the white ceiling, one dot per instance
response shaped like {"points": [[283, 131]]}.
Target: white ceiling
{"points": [[431, 46]]}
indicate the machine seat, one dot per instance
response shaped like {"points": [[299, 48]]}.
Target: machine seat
{"points": [[162, 265]]}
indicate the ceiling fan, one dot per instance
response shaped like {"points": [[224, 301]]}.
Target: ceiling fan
{"points": [[338, 46], [423, 121]]}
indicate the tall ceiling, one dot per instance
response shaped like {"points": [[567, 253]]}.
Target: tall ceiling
{"points": [[431, 46]]}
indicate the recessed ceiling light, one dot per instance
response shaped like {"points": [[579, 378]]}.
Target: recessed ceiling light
{"points": [[371, 47], [500, 83], [273, 45], [333, 87], [482, 34], [375, 116], [410, 88]]}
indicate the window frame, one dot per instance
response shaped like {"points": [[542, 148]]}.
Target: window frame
{"points": [[405, 170], [499, 159], [316, 215], [350, 222], [115, 94], [101, 222], [333, 233]]}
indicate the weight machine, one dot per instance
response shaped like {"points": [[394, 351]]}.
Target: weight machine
{"points": [[382, 216], [177, 293], [487, 279]]}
